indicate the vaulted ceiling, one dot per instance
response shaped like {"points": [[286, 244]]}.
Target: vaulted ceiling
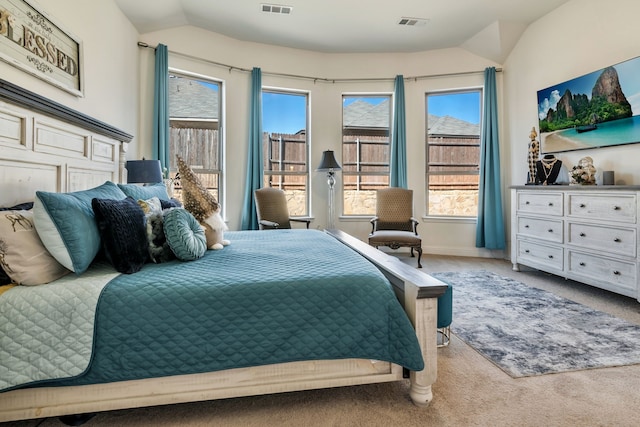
{"points": [[488, 28]]}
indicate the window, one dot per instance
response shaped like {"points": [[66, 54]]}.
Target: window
{"points": [[194, 128], [453, 153], [365, 151], [284, 141]]}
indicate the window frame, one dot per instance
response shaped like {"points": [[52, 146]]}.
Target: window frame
{"points": [[359, 173], [307, 151], [476, 172], [220, 172]]}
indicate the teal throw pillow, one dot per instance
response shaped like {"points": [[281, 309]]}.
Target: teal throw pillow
{"points": [[66, 224], [184, 234]]}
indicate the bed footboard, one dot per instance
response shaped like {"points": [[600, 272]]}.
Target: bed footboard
{"points": [[418, 292]]}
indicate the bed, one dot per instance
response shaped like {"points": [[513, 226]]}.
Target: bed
{"points": [[302, 325]]}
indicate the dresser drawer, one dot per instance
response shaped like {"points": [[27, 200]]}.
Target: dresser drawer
{"points": [[618, 273], [614, 207], [613, 240], [540, 203], [550, 230], [546, 255]]}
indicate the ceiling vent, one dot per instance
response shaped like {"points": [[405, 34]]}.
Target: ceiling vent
{"points": [[413, 22], [276, 8]]}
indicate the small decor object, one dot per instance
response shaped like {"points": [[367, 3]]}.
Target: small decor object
{"points": [[548, 170], [203, 206], [584, 173], [534, 154], [608, 178]]}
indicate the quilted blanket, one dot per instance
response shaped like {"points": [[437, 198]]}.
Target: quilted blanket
{"points": [[46, 332], [269, 297]]}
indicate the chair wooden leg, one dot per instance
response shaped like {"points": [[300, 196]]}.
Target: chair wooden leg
{"points": [[419, 256]]}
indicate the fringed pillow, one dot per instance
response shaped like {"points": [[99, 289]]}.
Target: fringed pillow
{"points": [[159, 250]]}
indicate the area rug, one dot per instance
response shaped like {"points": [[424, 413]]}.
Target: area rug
{"points": [[527, 331]]}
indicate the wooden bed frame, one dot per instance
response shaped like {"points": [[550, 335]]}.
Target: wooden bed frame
{"points": [[46, 146]]}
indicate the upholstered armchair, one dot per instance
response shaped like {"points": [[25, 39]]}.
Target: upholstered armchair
{"points": [[272, 209], [394, 225]]}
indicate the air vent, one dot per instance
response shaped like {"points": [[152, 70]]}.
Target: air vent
{"points": [[413, 22], [276, 8]]}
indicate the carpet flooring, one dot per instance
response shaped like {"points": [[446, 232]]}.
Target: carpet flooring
{"points": [[527, 331]]}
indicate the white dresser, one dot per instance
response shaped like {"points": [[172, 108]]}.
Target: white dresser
{"points": [[585, 233]]}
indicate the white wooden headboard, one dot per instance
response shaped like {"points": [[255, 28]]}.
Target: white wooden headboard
{"points": [[47, 146]]}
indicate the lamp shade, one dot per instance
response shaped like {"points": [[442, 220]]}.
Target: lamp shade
{"points": [[328, 162], [144, 171]]}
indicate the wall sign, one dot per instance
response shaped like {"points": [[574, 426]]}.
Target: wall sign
{"points": [[32, 41]]}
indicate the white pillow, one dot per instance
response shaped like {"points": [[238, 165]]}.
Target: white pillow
{"points": [[23, 256]]}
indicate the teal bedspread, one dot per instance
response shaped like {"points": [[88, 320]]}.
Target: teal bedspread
{"points": [[269, 297]]}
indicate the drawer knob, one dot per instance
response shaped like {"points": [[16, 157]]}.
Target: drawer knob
{"points": [[582, 264], [526, 251], [550, 256], [551, 230], [617, 240], [582, 205], [550, 203], [526, 203], [582, 235], [616, 208], [616, 272], [526, 226]]}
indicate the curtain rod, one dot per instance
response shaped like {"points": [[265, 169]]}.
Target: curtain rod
{"points": [[318, 79]]}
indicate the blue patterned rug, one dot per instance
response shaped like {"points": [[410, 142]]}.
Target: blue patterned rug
{"points": [[527, 331]]}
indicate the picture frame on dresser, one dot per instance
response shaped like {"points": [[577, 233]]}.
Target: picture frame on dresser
{"points": [[585, 233]]}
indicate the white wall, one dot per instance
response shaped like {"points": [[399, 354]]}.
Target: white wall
{"points": [[578, 38], [110, 63], [454, 237]]}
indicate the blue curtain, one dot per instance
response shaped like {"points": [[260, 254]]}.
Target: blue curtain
{"points": [[161, 108], [398, 165], [490, 228], [254, 157]]}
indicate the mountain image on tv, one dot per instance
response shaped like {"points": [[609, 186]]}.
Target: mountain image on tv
{"points": [[578, 111]]}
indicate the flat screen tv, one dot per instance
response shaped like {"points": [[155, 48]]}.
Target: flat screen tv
{"points": [[599, 109]]}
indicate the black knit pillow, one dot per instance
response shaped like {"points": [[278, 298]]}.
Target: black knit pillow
{"points": [[122, 231]]}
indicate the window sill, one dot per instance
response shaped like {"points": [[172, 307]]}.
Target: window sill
{"points": [[450, 219]]}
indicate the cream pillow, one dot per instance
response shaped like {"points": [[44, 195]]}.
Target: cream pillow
{"points": [[22, 254]]}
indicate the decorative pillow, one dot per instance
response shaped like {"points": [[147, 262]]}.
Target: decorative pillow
{"points": [[23, 257], [172, 203], [122, 229], [184, 235], [196, 197], [4, 279], [204, 207], [145, 192], [150, 205], [159, 250], [66, 224], [21, 207]]}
